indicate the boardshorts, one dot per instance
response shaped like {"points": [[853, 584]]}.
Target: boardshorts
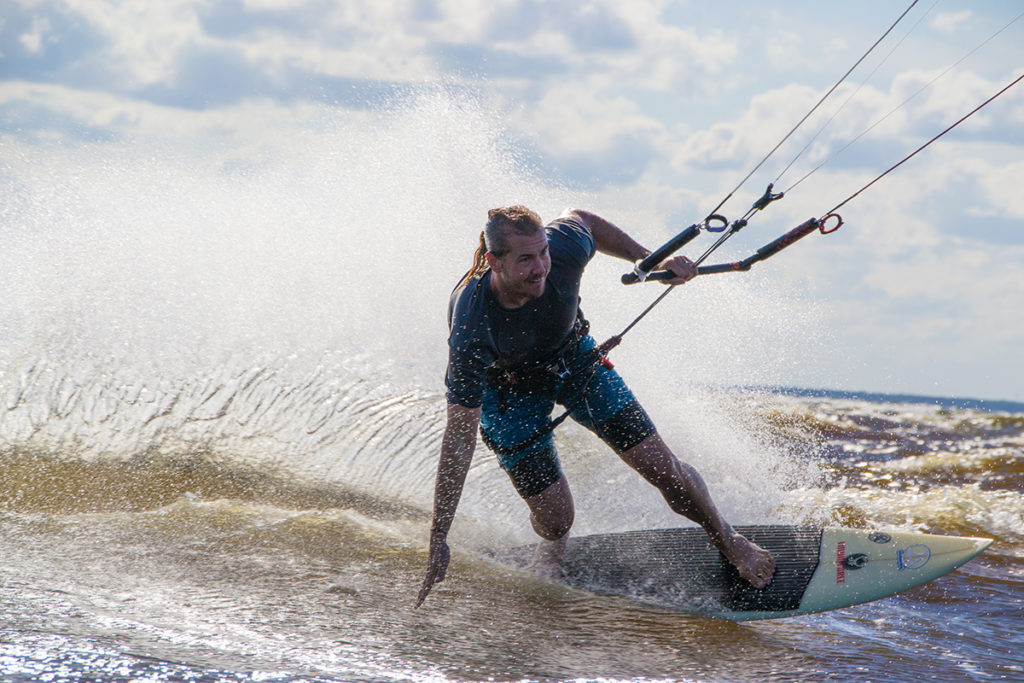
{"points": [[602, 403]]}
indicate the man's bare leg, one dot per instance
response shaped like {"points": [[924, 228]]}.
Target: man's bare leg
{"points": [[551, 515], [687, 495]]}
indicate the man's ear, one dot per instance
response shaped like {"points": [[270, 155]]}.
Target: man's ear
{"points": [[491, 259]]}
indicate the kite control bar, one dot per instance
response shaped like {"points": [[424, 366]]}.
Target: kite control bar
{"points": [[822, 225], [643, 268]]}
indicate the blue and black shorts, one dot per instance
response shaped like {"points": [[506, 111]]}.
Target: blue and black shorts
{"points": [[603, 404]]}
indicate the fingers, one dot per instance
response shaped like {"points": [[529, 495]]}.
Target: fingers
{"points": [[427, 585], [433, 576], [437, 567], [683, 268]]}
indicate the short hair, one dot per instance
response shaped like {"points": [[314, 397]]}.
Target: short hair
{"points": [[505, 220]]}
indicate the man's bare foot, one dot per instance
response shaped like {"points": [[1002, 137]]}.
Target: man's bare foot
{"points": [[547, 559], [754, 563]]}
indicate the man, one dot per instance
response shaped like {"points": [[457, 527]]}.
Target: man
{"points": [[518, 345]]}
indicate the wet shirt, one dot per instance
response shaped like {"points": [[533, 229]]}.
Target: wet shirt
{"points": [[484, 334]]}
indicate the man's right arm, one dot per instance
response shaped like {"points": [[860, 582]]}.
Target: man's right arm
{"points": [[457, 446], [610, 239]]}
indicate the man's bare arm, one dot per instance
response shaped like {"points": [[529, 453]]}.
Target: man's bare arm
{"points": [[457, 446], [612, 240], [608, 237]]}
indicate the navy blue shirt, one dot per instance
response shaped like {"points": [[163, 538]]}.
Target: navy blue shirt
{"points": [[483, 333]]}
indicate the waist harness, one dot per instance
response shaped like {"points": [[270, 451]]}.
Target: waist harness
{"points": [[535, 377]]}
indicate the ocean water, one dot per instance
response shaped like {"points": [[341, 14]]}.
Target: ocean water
{"points": [[220, 413]]}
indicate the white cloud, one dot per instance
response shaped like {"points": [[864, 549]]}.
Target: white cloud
{"points": [[388, 57], [969, 287], [458, 21], [785, 49], [144, 39], [611, 44], [667, 57], [892, 123], [768, 117], [953, 96], [240, 125], [949, 22], [1001, 185], [572, 119], [37, 34]]}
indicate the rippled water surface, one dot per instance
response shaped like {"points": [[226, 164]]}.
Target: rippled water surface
{"points": [[198, 565]]}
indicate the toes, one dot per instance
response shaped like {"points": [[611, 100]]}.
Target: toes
{"points": [[764, 572]]}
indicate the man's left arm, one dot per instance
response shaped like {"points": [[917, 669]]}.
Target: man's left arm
{"points": [[612, 240]]}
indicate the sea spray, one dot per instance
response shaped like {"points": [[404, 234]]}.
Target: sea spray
{"points": [[280, 304]]}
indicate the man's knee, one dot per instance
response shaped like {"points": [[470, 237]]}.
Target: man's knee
{"points": [[551, 511], [551, 530]]}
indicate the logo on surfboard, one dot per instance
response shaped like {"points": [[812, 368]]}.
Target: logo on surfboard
{"points": [[914, 557], [855, 561], [844, 561]]}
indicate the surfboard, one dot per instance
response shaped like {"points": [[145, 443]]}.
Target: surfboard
{"points": [[817, 569]]}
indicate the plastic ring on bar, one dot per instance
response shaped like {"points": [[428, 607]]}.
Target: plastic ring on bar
{"points": [[716, 222], [824, 228]]}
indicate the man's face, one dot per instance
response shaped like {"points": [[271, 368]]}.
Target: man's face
{"points": [[522, 272]]}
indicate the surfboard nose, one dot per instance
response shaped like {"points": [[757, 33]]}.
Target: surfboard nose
{"points": [[979, 544]]}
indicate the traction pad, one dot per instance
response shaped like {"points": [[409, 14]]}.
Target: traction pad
{"points": [[680, 567]]}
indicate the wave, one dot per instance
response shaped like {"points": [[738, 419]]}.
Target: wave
{"points": [[356, 445], [947, 402], [40, 482], [963, 510], [323, 424]]}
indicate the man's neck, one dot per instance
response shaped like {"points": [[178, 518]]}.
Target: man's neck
{"points": [[504, 297]]}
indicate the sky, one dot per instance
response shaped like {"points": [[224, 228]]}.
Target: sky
{"points": [[649, 108]]}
